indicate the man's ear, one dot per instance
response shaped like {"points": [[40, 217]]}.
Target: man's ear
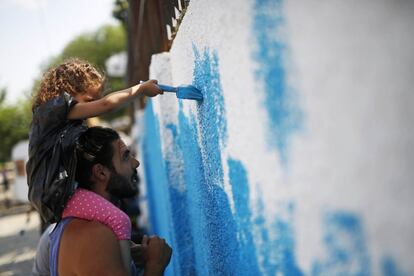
{"points": [[100, 172]]}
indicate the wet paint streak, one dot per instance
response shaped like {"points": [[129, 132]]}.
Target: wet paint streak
{"points": [[213, 134], [212, 223], [346, 252], [389, 267], [193, 179], [211, 113], [276, 244], [155, 173], [216, 246], [209, 216], [156, 180], [183, 240], [238, 180], [264, 248], [283, 248], [281, 102]]}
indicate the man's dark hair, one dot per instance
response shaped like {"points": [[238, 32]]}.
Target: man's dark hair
{"points": [[94, 146]]}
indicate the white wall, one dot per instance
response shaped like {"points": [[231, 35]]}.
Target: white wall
{"points": [[348, 150]]}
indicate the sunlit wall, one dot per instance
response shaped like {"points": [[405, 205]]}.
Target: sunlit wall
{"points": [[299, 161]]}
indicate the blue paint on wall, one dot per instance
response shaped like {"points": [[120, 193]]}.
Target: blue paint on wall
{"points": [[155, 173], [346, 252], [156, 180], [183, 240], [248, 264], [199, 201], [222, 243], [211, 113], [276, 244], [389, 267], [216, 246], [208, 239], [280, 101], [212, 223], [283, 246], [189, 207], [263, 240], [194, 178], [188, 204]]}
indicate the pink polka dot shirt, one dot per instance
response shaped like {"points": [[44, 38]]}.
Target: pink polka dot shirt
{"points": [[88, 205]]}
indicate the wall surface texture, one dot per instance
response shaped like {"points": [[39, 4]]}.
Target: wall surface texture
{"points": [[299, 161]]}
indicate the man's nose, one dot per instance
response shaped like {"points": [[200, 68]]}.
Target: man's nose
{"points": [[136, 163]]}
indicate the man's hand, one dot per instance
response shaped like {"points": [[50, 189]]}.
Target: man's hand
{"points": [[156, 253], [150, 88], [137, 255]]}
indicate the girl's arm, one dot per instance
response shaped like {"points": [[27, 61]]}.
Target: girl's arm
{"points": [[113, 100]]}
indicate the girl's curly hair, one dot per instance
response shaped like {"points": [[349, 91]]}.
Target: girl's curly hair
{"points": [[74, 76]]}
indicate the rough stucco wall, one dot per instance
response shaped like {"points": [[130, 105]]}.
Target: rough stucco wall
{"points": [[299, 159]]}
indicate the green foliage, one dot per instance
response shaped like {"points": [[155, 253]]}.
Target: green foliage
{"points": [[14, 124], [120, 11], [3, 93], [95, 47]]}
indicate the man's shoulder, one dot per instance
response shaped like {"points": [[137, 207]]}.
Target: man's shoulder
{"points": [[92, 241], [80, 229]]}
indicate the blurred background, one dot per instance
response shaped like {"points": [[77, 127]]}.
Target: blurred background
{"points": [[37, 34], [299, 160]]}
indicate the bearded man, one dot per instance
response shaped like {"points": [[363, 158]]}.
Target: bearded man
{"points": [[80, 247]]}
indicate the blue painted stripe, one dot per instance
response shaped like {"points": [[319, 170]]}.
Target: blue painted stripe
{"points": [[247, 263], [276, 244], [155, 174], [183, 239], [345, 246], [211, 219], [219, 227], [280, 102], [156, 181], [211, 113], [389, 267], [283, 246]]}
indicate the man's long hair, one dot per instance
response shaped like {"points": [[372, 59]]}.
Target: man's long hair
{"points": [[94, 146]]}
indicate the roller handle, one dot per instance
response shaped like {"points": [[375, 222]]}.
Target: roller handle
{"points": [[167, 88]]}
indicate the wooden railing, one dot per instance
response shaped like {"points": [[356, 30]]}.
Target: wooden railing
{"points": [[173, 11], [152, 26]]}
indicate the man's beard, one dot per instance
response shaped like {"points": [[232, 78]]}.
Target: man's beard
{"points": [[121, 187]]}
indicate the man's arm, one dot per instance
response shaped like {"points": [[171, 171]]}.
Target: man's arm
{"points": [[90, 248]]}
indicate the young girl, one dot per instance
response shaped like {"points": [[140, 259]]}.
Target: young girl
{"points": [[69, 94]]}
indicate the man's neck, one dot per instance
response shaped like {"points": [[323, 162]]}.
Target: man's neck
{"points": [[100, 190]]}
